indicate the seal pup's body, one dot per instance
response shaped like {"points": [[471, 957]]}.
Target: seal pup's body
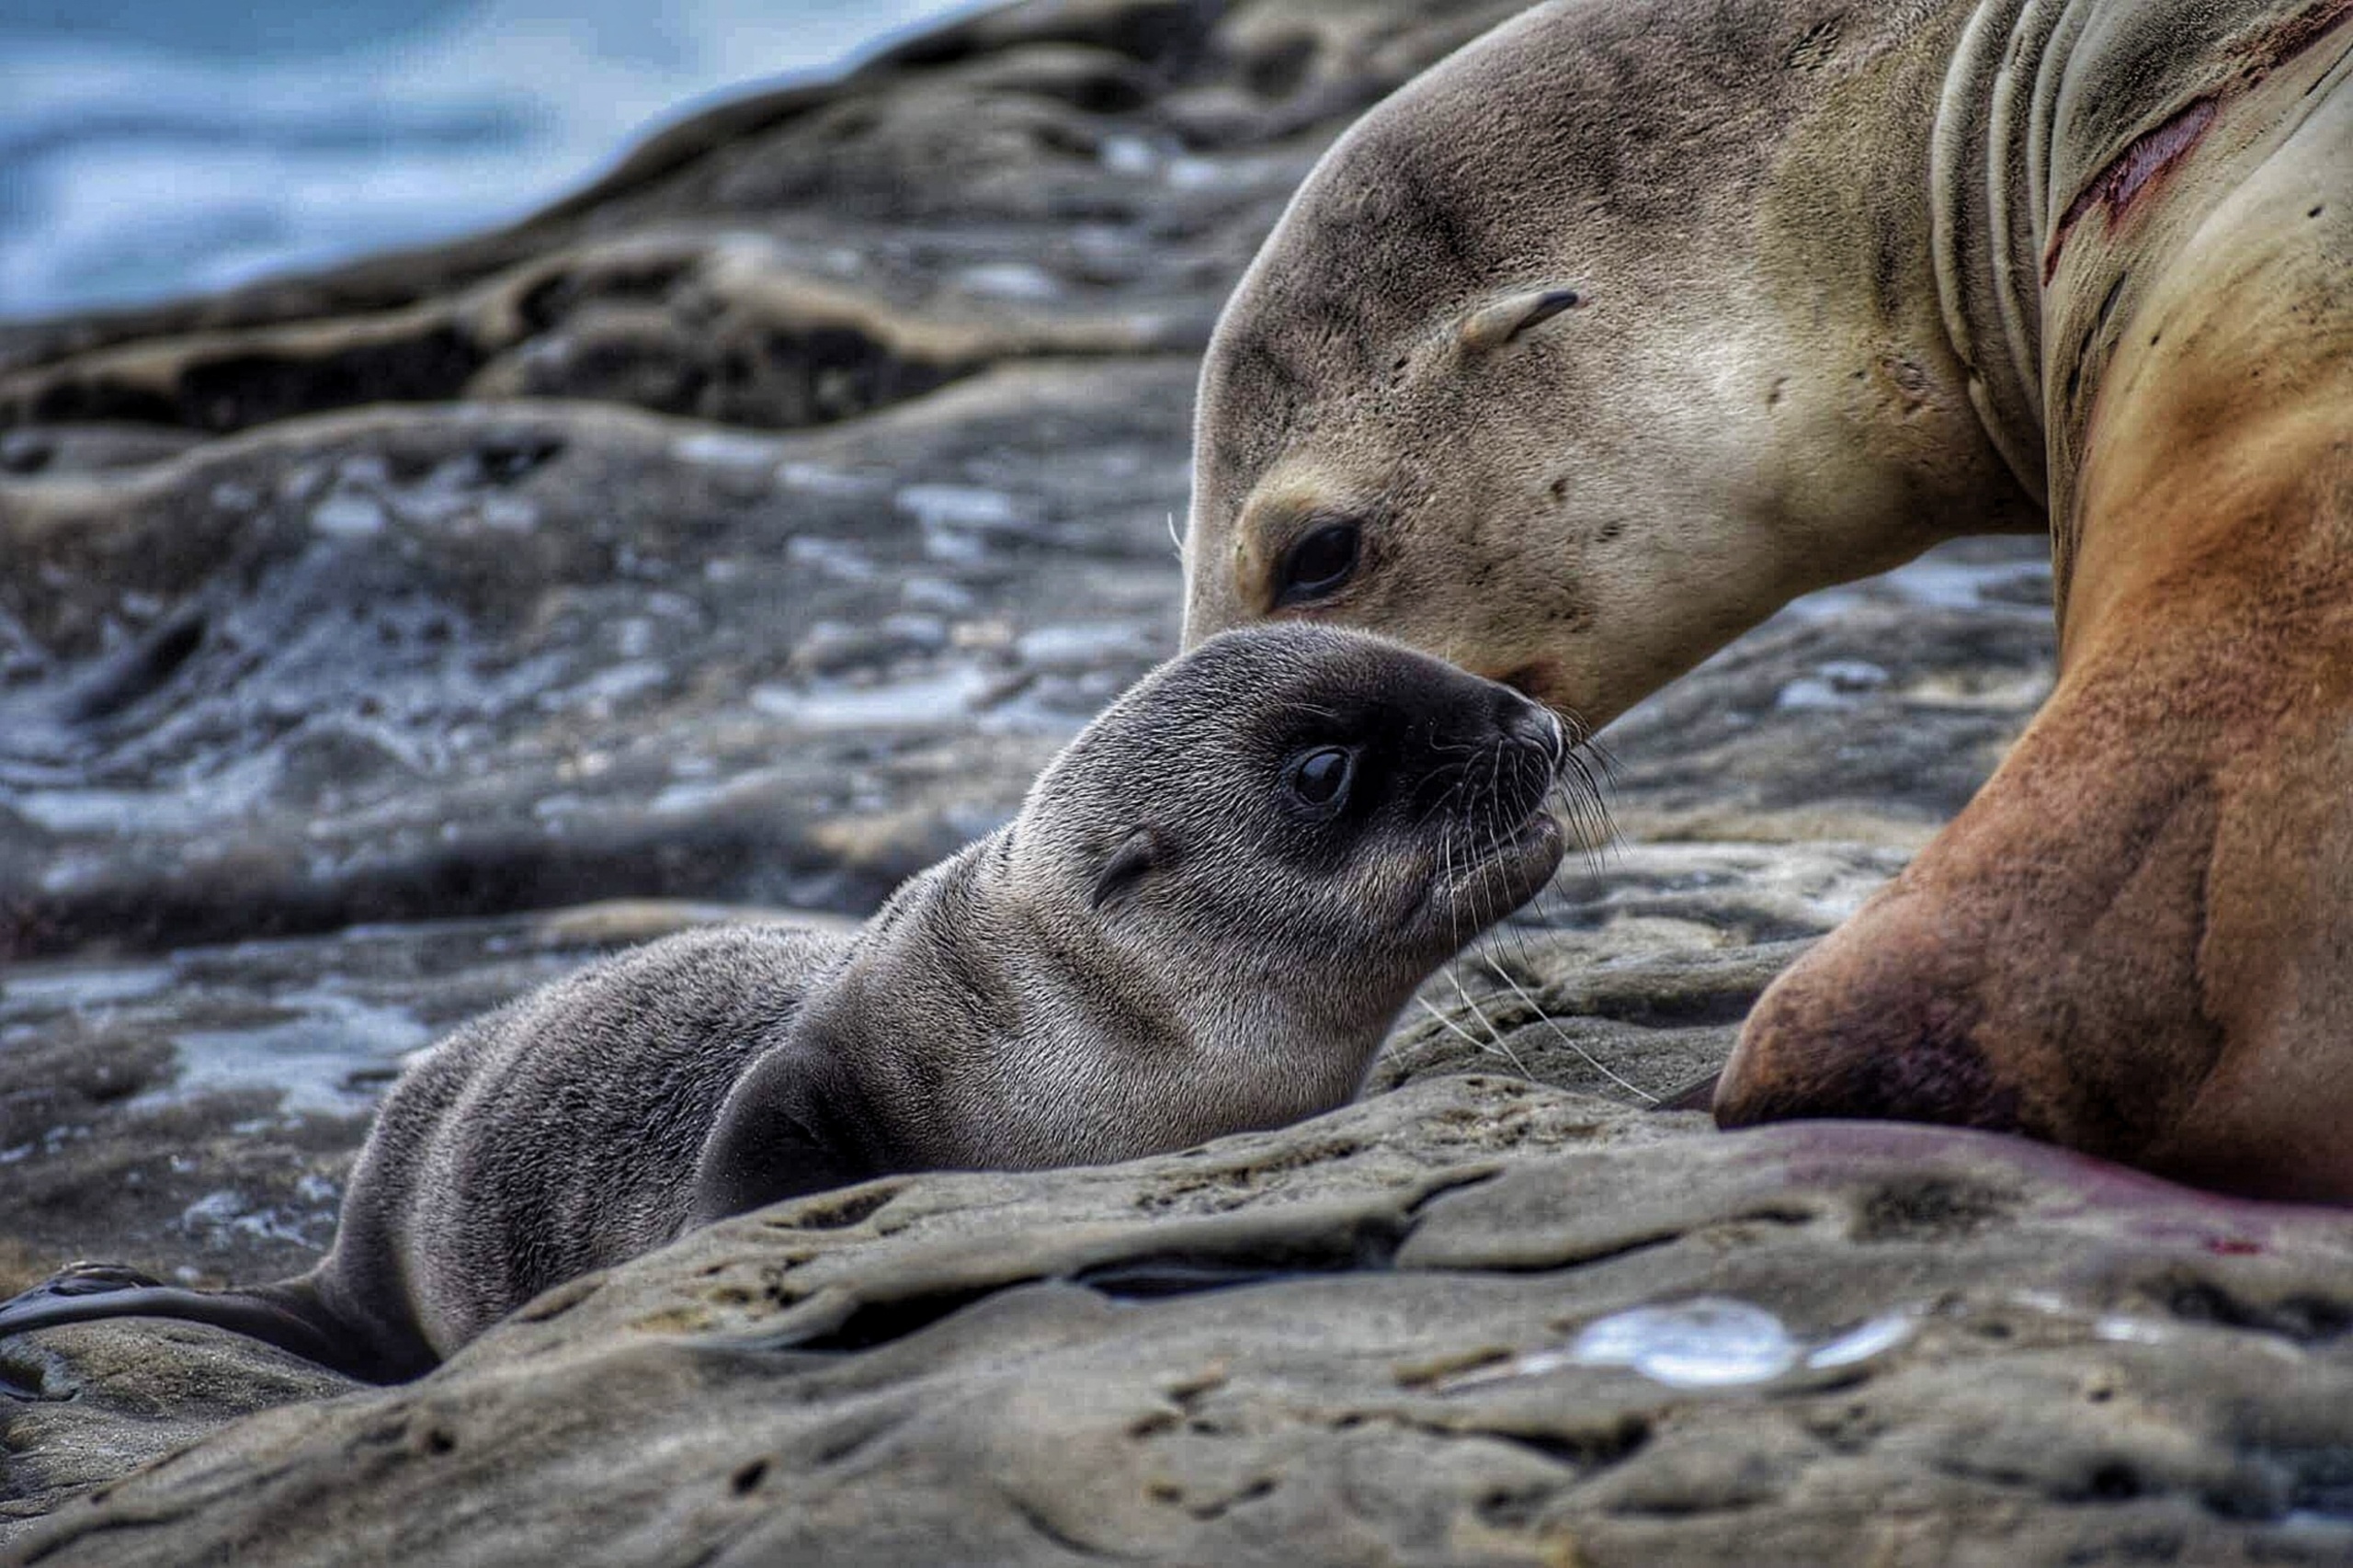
{"points": [[1633, 320], [1209, 910]]}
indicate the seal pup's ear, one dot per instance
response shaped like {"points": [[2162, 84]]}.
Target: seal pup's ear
{"points": [[1137, 854], [1494, 325]]}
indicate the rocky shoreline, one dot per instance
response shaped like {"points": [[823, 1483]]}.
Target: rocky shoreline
{"points": [[740, 535]]}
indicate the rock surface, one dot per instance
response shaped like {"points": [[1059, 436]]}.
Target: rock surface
{"points": [[1473, 1321], [743, 532]]}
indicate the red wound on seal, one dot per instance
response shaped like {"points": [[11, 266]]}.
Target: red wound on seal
{"points": [[2131, 172]]}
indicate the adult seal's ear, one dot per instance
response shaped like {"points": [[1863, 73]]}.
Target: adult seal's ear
{"points": [[1492, 326], [788, 1128]]}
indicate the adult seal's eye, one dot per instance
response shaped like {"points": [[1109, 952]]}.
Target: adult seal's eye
{"points": [[1321, 777], [1318, 564]]}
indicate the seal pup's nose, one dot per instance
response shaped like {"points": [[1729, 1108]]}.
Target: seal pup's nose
{"points": [[1529, 724]]}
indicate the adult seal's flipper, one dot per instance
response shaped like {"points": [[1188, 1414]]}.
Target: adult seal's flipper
{"points": [[285, 1315]]}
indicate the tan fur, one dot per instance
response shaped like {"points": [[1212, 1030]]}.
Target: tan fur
{"points": [[1857, 277]]}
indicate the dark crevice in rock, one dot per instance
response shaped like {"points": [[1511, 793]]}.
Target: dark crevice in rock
{"points": [[497, 874], [1155, 1279], [1694, 1508], [1512, 1507], [758, 375], [871, 1324], [2304, 1319], [1631, 1246], [137, 672], [1219, 1507], [1029, 1515], [1758, 926], [1370, 1245], [1584, 1451], [1930, 1208], [1171, 34], [511, 461], [1650, 1241], [858, 1436], [836, 1211], [2322, 1481], [237, 391], [241, 387], [86, 1530], [2099, 1482], [28, 1376], [1447, 1186], [2117, 1481]]}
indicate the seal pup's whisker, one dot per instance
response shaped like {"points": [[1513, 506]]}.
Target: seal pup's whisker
{"points": [[1497, 1045], [1563, 1035], [1489, 1048], [1441, 804]]}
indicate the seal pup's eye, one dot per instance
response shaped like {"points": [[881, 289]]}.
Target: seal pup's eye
{"points": [[1317, 564], [1321, 777]]}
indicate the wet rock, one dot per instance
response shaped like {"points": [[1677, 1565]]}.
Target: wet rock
{"points": [[475, 660], [196, 1112], [81, 1407], [1474, 1321]]}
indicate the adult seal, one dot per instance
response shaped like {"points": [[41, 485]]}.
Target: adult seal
{"points": [[1208, 910], [1633, 320]]}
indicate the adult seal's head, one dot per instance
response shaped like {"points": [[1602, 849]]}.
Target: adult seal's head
{"points": [[1594, 346], [1213, 904], [1636, 318]]}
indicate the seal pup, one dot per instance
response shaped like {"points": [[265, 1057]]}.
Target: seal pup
{"points": [[1208, 913], [1633, 320]]}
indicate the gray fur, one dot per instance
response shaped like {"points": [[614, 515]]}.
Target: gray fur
{"points": [[1161, 948]]}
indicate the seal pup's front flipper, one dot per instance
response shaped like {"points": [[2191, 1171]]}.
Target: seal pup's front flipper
{"points": [[787, 1130], [286, 1315]]}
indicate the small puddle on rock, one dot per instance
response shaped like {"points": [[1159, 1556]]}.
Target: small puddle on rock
{"points": [[312, 1058], [62, 988], [831, 705], [1706, 1343]]}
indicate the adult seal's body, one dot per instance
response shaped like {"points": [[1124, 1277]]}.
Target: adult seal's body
{"points": [[1635, 318], [1209, 910]]}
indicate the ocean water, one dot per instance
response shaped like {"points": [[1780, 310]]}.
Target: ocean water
{"points": [[154, 147]]}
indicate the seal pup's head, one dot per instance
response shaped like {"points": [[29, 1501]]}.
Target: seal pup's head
{"points": [[1214, 903]]}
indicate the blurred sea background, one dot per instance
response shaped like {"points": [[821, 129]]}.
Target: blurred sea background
{"points": [[150, 148]]}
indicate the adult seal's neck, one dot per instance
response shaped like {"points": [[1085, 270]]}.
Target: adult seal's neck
{"points": [[2080, 146]]}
